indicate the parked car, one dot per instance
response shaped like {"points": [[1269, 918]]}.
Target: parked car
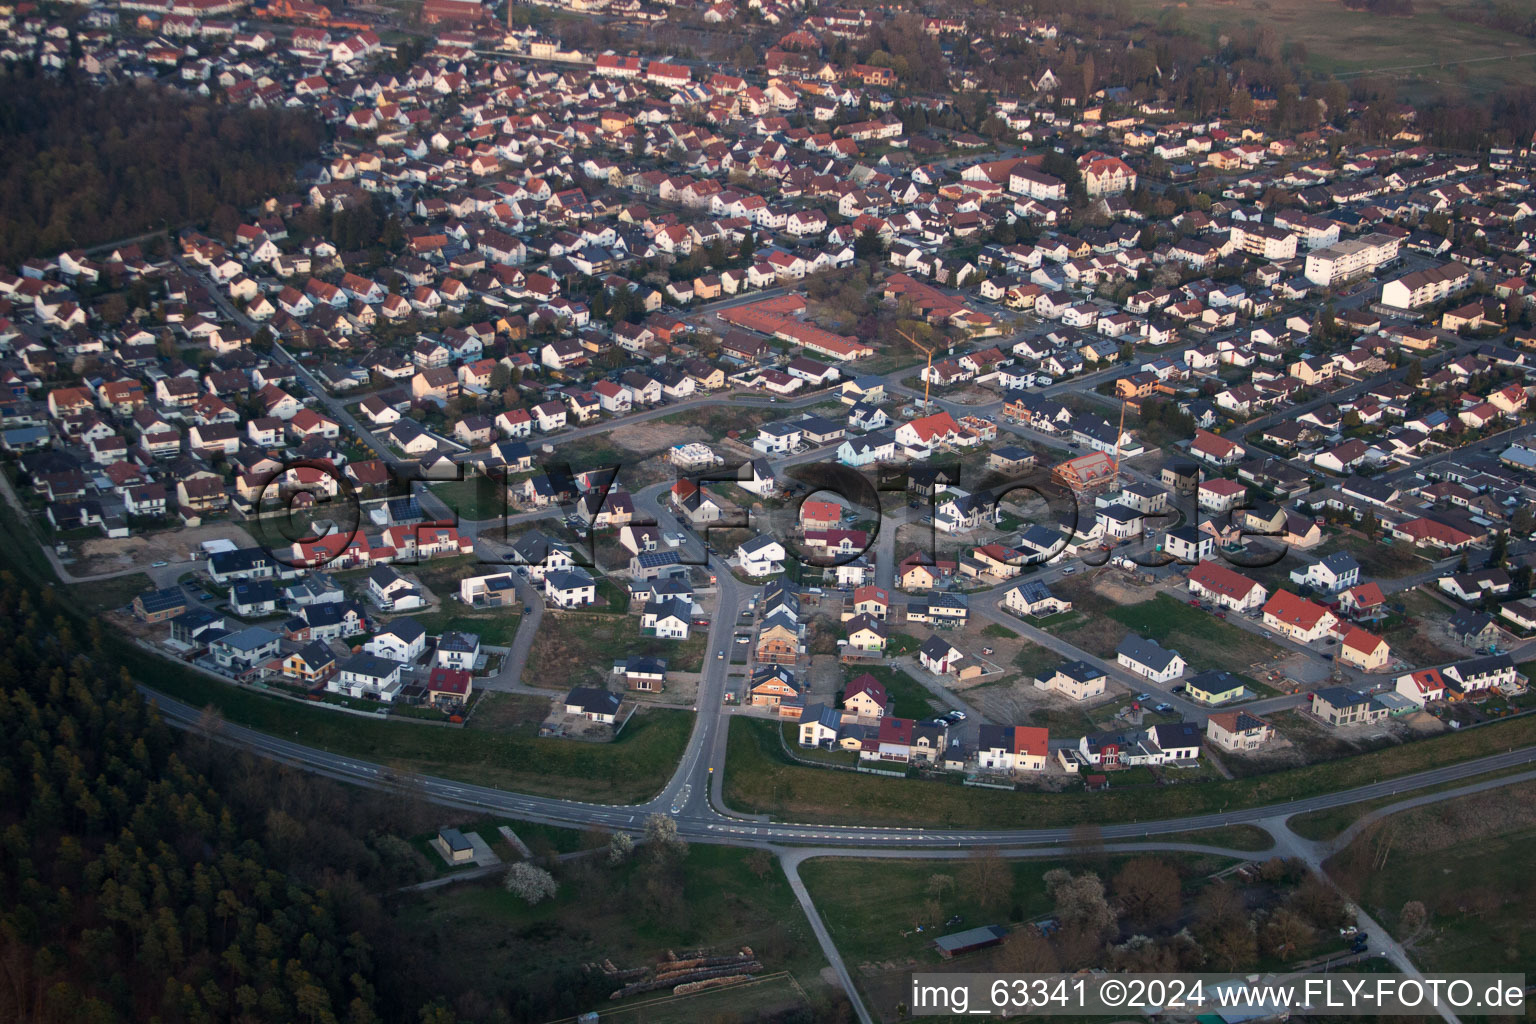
{"points": [[1143, 697], [955, 716], [1163, 708]]}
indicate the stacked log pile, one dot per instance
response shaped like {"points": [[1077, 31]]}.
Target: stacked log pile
{"points": [[683, 974]]}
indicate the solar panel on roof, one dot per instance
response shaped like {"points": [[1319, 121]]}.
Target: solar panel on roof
{"points": [[403, 509]]}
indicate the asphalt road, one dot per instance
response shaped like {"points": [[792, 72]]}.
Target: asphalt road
{"points": [[700, 818]]}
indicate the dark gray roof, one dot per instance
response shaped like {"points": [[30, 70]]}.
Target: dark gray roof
{"points": [[1146, 652]]}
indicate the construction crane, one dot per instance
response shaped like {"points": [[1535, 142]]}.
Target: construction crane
{"points": [[927, 372], [1115, 483]]}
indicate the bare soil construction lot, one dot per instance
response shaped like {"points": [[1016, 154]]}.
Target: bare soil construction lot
{"points": [[106, 555]]}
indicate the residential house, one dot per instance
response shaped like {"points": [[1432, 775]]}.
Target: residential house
{"points": [[1147, 658]]}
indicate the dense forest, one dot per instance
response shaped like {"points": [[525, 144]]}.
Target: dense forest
{"points": [[160, 876], [133, 887], [86, 165]]}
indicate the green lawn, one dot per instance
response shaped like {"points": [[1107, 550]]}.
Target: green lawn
{"points": [[1099, 624], [759, 779], [791, 734], [909, 698], [496, 627], [1198, 635], [475, 497]]}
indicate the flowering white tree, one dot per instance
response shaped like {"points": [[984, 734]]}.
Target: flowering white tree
{"points": [[620, 846], [530, 883], [661, 835]]}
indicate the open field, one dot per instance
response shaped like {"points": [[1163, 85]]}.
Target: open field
{"points": [[1420, 637], [117, 592], [476, 497], [589, 643], [496, 627], [759, 779], [718, 899], [1378, 560], [1098, 624], [1349, 44], [1321, 825], [713, 422], [1478, 916]]}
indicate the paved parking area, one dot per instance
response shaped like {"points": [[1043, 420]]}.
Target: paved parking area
{"points": [[485, 857]]}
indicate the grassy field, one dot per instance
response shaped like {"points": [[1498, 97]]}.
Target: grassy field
{"points": [[496, 627], [1346, 43], [1035, 660], [1232, 837], [729, 898], [109, 594], [590, 643], [1321, 825], [476, 497], [1099, 624], [1377, 560], [759, 779], [1478, 919]]}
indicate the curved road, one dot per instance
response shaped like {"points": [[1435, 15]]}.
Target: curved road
{"points": [[686, 798]]}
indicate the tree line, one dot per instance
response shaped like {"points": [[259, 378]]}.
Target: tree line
{"points": [[86, 165]]}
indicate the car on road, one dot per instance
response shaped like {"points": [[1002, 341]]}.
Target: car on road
{"points": [[955, 716], [1163, 708], [720, 655], [160, 564], [1069, 570], [743, 639], [1143, 697]]}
